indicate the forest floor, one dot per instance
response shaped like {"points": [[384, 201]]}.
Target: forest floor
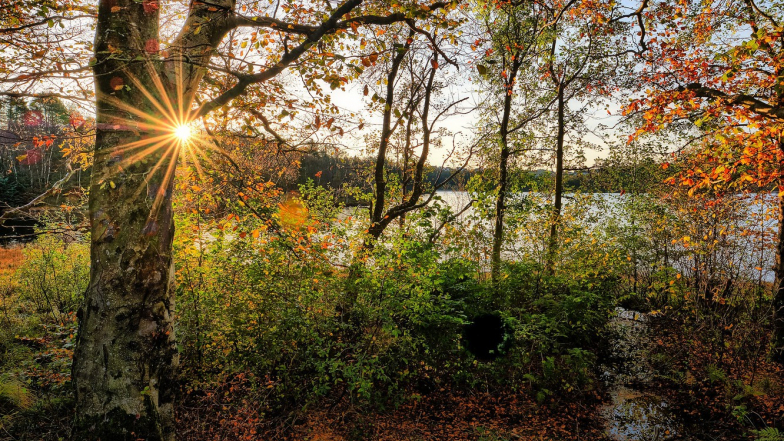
{"points": [[717, 390], [441, 415]]}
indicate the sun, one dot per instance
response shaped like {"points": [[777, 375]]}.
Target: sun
{"points": [[183, 133]]}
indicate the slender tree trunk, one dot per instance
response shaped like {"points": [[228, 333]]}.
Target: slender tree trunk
{"points": [[380, 215], [500, 209], [503, 183], [503, 165], [552, 250], [406, 178], [777, 339], [379, 203]]}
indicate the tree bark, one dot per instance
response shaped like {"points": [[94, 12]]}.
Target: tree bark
{"points": [[503, 172], [125, 357], [777, 339], [552, 249], [125, 360]]}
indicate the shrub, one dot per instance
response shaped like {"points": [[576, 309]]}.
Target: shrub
{"points": [[54, 275]]}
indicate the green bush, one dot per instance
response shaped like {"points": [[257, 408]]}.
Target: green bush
{"points": [[54, 275], [556, 323], [312, 331]]}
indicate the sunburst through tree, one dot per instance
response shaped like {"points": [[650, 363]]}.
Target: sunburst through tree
{"points": [[170, 125]]}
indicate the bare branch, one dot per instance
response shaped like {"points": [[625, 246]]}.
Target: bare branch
{"points": [[54, 188]]}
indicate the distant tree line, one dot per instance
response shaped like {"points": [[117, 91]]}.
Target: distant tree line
{"points": [[341, 171]]}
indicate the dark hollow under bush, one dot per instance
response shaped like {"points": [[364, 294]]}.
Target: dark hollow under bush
{"points": [[483, 337]]}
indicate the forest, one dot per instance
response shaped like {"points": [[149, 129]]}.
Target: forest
{"points": [[342, 220]]}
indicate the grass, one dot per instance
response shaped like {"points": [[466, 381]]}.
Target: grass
{"points": [[11, 258]]}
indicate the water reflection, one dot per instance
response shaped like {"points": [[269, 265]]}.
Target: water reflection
{"points": [[637, 416], [634, 415]]}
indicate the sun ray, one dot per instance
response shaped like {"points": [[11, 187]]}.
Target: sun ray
{"points": [[124, 148], [165, 182], [165, 123], [160, 190], [124, 163], [165, 108]]}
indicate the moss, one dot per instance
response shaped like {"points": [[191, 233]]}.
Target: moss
{"points": [[121, 426]]}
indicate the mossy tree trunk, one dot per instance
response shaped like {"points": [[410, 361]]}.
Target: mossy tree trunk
{"points": [[125, 356]]}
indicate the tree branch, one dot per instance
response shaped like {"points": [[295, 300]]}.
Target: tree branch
{"points": [[746, 101], [43, 21], [291, 56], [311, 38]]}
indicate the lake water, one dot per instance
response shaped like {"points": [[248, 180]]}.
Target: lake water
{"points": [[745, 249]]}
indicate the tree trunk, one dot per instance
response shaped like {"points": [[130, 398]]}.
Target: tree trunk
{"points": [[125, 359], [777, 339], [552, 249], [125, 355], [503, 178], [500, 209]]}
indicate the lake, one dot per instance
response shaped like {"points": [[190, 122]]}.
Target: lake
{"points": [[746, 248]]}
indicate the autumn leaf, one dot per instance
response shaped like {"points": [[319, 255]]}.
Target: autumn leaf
{"points": [[116, 83]]}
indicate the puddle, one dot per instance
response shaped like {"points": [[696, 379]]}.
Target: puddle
{"points": [[633, 415]]}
